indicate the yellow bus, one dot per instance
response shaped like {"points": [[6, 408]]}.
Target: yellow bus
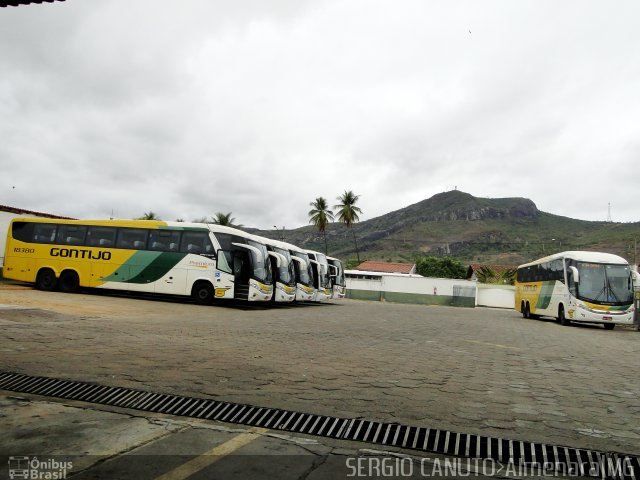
{"points": [[205, 261], [589, 287]]}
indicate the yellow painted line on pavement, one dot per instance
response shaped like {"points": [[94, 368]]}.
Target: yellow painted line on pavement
{"points": [[493, 344], [212, 456]]}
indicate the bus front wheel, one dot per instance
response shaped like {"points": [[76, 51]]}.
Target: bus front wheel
{"points": [[203, 293], [69, 282], [46, 280], [562, 319], [609, 326]]}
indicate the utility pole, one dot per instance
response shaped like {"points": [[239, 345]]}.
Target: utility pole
{"points": [[280, 233]]}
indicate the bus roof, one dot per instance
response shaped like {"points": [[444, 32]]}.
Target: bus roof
{"points": [[212, 227], [595, 257]]}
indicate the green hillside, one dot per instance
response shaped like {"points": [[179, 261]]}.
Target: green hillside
{"points": [[470, 229]]}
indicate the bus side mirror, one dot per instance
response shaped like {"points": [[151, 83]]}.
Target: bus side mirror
{"points": [[277, 257], [576, 275]]}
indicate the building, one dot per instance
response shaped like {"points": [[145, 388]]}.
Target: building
{"points": [[387, 267], [17, 3]]}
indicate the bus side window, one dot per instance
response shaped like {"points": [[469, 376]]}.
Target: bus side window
{"points": [[132, 238], [101, 236], [197, 243], [44, 233], [22, 231], [558, 270], [164, 240], [71, 234]]}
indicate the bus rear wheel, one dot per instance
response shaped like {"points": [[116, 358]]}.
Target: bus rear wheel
{"points": [[203, 293], [46, 280], [69, 282]]}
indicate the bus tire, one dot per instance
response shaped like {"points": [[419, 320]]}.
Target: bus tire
{"points": [[562, 318], [69, 282], [525, 310], [609, 326], [203, 293], [46, 280]]}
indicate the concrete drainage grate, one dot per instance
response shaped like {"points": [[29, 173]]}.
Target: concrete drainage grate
{"points": [[571, 461]]}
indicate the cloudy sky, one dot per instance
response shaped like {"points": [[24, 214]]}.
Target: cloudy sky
{"points": [[187, 108]]}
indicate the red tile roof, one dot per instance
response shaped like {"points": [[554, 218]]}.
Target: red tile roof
{"points": [[15, 3], [387, 267], [22, 211]]}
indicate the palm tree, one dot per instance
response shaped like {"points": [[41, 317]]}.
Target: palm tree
{"points": [[348, 213], [320, 216], [149, 216], [224, 219]]}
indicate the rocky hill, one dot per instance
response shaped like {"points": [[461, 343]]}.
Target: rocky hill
{"points": [[472, 229]]}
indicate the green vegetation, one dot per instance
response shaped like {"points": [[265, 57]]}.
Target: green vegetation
{"points": [[320, 216], [349, 213], [500, 231], [224, 219], [149, 216], [440, 267], [489, 275]]}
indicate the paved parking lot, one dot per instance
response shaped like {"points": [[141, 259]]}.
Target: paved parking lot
{"points": [[482, 371]]}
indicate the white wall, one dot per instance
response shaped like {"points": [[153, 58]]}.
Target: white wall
{"points": [[425, 285], [501, 296]]}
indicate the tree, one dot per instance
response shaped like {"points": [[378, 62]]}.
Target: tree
{"points": [[349, 214], [149, 216], [320, 216], [487, 275], [224, 219], [440, 267]]}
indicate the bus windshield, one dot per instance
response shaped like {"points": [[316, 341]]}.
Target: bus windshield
{"points": [[339, 273], [323, 267], [261, 270], [303, 275], [286, 273], [604, 283]]}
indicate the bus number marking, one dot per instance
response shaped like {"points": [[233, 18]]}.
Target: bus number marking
{"points": [[24, 250]]}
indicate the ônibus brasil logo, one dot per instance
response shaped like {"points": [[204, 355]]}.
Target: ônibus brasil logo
{"points": [[34, 469]]}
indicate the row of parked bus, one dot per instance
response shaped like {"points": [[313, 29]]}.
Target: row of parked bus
{"points": [[206, 261]]}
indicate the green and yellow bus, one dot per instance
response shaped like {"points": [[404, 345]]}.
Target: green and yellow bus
{"points": [[589, 287], [205, 261]]}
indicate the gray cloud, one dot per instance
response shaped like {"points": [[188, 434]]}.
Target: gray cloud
{"points": [[257, 108]]}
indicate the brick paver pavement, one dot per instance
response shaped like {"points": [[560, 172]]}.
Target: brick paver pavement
{"points": [[484, 371]]}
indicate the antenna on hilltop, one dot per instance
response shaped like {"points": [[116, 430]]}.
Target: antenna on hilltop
{"points": [[609, 212]]}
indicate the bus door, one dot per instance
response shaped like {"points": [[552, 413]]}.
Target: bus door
{"points": [[241, 274]]}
